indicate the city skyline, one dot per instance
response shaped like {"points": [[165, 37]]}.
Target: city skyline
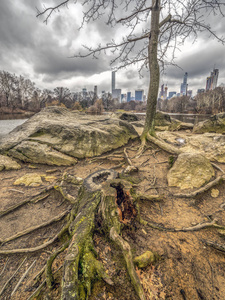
{"points": [[41, 52]]}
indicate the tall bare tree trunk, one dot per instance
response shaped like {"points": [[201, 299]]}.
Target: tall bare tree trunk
{"points": [[154, 71]]}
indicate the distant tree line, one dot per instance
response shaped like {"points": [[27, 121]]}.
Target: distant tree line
{"points": [[20, 94], [210, 102]]}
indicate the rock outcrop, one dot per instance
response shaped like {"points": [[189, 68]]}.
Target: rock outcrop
{"points": [[211, 145], [215, 123], [6, 163], [57, 136], [190, 170]]}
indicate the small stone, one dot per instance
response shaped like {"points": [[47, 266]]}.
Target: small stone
{"points": [[214, 193], [144, 231], [32, 167], [145, 259], [30, 179]]}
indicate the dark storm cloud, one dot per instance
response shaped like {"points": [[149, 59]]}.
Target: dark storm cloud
{"points": [[46, 48], [27, 45]]}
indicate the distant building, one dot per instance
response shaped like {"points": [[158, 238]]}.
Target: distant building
{"points": [[123, 98], [171, 94], [113, 80], [199, 91], [189, 93], [163, 92], [211, 81], [95, 92], [84, 92], [116, 94], [128, 96], [184, 85], [139, 94]]}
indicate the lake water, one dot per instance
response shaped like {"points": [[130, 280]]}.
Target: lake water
{"points": [[186, 118], [189, 118], [8, 125]]}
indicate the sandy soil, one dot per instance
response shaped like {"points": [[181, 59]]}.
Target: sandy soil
{"points": [[187, 268]]}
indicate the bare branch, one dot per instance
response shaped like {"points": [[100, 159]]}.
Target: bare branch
{"points": [[50, 10]]}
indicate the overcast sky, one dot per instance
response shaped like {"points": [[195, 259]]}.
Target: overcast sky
{"points": [[41, 52]]}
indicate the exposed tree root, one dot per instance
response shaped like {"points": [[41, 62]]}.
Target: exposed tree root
{"points": [[205, 188], [163, 145], [214, 245], [202, 226], [125, 247], [9, 280], [4, 267], [141, 148], [33, 228], [80, 251], [127, 157], [108, 209], [18, 205], [36, 293], [109, 198], [65, 195], [185, 229], [63, 231], [22, 278], [217, 167], [48, 269]]}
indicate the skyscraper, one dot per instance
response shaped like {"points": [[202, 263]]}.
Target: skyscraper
{"points": [[211, 81], [139, 94], [183, 86], [95, 92], [128, 96], [113, 80], [116, 94]]}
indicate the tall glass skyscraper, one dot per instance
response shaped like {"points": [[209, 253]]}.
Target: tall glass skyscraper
{"points": [[113, 80]]}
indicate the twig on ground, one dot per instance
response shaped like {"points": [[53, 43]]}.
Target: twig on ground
{"points": [[107, 157], [22, 278], [144, 163], [203, 189], [118, 166], [38, 276], [160, 162], [8, 281], [4, 266], [14, 190], [156, 187]]}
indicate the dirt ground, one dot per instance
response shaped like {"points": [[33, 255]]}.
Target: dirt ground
{"points": [[187, 268]]}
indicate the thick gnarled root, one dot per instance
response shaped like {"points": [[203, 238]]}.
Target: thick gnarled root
{"points": [[81, 267], [112, 220]]}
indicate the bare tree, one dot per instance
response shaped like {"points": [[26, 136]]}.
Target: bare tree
{"points": [[62, 93], [155, 28], [7, 86]]}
